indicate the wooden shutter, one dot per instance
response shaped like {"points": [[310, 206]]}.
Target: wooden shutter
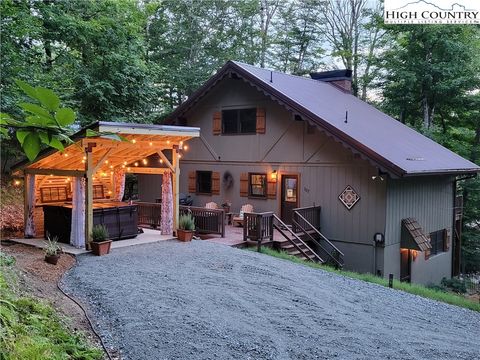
{"points": [[446, 239], [244, 184], [217, 123], [215, 183], [271, 188], [260, 121], [192, 182]]}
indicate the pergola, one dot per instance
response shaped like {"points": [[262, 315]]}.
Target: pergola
{"points": [[94, 158]]}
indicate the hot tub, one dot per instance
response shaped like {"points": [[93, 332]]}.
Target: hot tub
{"points": [[120, 219]]}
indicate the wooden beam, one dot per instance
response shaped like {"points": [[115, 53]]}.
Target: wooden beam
{"points": [[57, 172], [102, 160], [88, 197], [143, 170], [175, 186], [165, 160]]}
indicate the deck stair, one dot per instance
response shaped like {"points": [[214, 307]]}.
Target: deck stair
{"points": [[305, 240]]}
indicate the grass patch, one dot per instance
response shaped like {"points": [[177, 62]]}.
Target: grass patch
{"points": [[31, 329], [420, 290]]}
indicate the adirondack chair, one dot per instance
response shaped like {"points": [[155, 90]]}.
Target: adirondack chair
{"points": [[238, 218], [211, 205]]}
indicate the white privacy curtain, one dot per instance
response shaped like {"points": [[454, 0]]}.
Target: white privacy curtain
{"points": [[30, 221], [77, 234], [118, 183], [166, 222]]}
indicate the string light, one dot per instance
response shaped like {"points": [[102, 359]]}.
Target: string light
{"points": [[106, 161], [83, 161], [123, 166], [168, 141], [145, 162], [136, 163], [84, 158], [66, 155], [124, 163], [161, 161], [185, 147], [16, 182], [129, 169], [150, 143], [111, 166], [179, 156], [134, 141]]}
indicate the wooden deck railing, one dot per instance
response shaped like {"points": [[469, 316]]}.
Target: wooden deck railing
{"points": [[258, 227], [207, 221], [149, 214], [303, 215]]}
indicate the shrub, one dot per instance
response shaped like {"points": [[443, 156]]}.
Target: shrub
{"points": [[186, 222], [99, 233], [455, 285], [11, 207], [6, 260]]}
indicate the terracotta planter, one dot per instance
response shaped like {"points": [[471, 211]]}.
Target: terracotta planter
{"points": [[52, 259], [101, 248], [185, 235]]}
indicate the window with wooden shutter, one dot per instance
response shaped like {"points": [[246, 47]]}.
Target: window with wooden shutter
{"points": [[215, 183], [192, 182], [272, 188], [244, 184], [260, 121], [446, 239], [217, 123]]}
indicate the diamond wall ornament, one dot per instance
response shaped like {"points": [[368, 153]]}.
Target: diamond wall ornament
{"points": [[349, 197]]}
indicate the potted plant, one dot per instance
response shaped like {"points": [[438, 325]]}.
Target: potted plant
{"points": [[52, 250], [186, 227], [100, 241]]}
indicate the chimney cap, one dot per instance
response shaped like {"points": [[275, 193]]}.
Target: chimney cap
{"points": [[332, 75]]}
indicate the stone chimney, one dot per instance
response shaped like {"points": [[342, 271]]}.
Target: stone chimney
{"points": [[340, 78]]}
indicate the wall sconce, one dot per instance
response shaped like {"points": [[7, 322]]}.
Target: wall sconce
{"points": [[273, 175], [379, 238]]}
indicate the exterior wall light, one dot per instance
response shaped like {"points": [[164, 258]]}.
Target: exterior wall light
{"points": [[379, 238], [273, 175]]}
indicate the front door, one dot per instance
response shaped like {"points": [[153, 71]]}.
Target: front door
{"points": [[289, 197]]}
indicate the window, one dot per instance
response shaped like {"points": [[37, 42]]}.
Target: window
{"points": [[437, 239], [204, 182], [239, 121], [53, 194], [257, 185]]}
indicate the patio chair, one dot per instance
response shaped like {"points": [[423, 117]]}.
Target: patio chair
{"points": [[211, 205], [238, 218]]}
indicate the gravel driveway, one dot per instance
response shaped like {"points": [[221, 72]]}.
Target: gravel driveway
{"points": [[199, 300]]}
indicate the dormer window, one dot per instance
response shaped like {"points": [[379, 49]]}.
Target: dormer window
{"points": [[239, 121]]}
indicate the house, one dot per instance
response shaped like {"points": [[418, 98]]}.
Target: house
{"points": [[279, 142]]}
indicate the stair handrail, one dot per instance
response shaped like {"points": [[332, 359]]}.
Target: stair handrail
{"points": [[322, 236], [296, 237]]}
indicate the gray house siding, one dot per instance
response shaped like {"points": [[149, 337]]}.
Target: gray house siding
{"points": [[430, 201], [149, 187], [324, 167]]}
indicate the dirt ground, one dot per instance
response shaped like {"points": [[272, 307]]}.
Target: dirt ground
{"points": [[39, 279]]}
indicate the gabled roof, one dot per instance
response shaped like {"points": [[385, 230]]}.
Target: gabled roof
{"points": [[377, 137]]}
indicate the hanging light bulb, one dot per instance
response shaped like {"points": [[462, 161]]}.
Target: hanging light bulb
{"points": [[145, 162], [168, 141], [129, 168], [134, 141], [136, 163], [185, 147], [150, 143], [106, 161]]}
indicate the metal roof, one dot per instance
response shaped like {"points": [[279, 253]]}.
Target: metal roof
{"points": [[386, 142]]}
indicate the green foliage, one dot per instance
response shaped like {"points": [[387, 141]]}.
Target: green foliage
{"points": [[416, 289], [31, 330], [186, 222], [6, 260], [43, 123], [99, 233], [51, 246]]}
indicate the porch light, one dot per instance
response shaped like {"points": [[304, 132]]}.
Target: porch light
{"points": [[273, 175]]}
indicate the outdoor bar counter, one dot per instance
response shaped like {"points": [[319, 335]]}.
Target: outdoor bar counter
{"points": [[120, 219]]}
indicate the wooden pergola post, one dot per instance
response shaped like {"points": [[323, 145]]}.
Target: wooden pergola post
{"points": [[176, 187], [89, 168], [25, 201]]}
